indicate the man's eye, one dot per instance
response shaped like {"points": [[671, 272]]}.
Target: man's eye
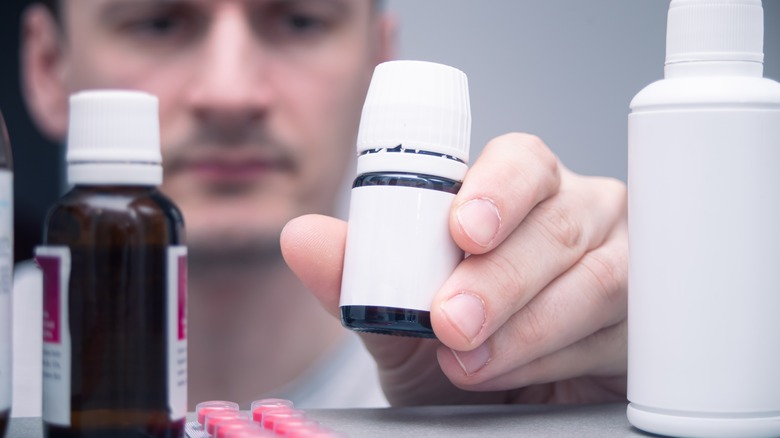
{"points": [[157, 25], [165, 24], [303, 23]]}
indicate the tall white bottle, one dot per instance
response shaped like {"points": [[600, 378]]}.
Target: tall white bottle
{"points": [[704, 231]]}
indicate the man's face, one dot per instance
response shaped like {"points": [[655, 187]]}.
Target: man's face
{"points": [[259, 100]]}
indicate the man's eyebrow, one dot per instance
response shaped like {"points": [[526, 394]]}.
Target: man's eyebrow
{"points": [[339, 7], [117, 7]]}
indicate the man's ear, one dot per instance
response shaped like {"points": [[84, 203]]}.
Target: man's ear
{"points": [[42, 75]]}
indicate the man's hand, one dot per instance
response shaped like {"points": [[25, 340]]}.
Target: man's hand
{"points": [[536, 313]]}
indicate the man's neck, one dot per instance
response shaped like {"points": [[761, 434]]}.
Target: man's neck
{"points": [[252, 329]]}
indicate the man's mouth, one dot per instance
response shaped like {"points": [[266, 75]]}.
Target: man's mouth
{"points": [[234, 170]]}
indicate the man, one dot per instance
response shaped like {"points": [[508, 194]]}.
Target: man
{"points": [[259, 106]]}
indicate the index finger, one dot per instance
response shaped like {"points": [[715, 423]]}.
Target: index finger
{"points": [[313, 247], [513, 174]]}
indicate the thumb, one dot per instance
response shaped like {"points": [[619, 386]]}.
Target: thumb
{"points": [[313, 247]]}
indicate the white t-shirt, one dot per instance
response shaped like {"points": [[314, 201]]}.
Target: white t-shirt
{"points": [[345, 378]]}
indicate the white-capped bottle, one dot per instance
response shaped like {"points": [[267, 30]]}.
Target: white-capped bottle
{"points": [[114, 279], [413, 146], [6, 271], [704, 231]]}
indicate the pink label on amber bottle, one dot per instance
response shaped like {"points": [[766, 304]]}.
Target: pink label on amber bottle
{"points": [[50, 266], [182, 298], [54, 262], [177, 331]]}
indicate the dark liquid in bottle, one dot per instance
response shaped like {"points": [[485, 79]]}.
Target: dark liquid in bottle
{"points": [[393, 320], [4, 415], [118, 239], [167, 429]]}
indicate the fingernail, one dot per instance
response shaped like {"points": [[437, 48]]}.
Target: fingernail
{"points": [[474, 360], [466, 312], [480, 220]]}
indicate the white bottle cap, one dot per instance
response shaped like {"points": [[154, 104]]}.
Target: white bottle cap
{"points": [[114, 138], [419, 106], [715, 30]]}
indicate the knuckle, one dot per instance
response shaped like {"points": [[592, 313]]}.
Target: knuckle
{"points": [[526, 160], [547, 159], [560, 226], [509, 277], [608, 270], [532, 328], [615, 187]]}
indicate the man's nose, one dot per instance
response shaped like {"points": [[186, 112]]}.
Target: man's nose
{"points": [[230, 81]]}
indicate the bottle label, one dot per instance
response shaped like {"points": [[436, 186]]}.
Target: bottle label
{"points": [[54, 262], [6, 267], [399, 249], [177, 331]]}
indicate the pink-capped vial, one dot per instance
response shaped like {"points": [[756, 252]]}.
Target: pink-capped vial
{"points": [[284, 426], [259, 406], [321, 432], [272, 416], [250, 433], [203, 408], [223, 428], [217, 417]]}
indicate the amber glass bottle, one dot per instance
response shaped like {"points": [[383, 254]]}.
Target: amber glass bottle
{"points": [[114, 266], [6, 266]]}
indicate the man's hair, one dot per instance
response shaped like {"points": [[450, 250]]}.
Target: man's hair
{"points": [[52, 5]]}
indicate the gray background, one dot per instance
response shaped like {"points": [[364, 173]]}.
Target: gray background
{"points": [[564, 70]]}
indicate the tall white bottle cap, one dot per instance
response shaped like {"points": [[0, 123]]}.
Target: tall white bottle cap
{"points": [[715, 30], [114, 138], [418, 105]]}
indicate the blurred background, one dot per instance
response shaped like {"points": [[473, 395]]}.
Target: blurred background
{"points": [[565, 70]]}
